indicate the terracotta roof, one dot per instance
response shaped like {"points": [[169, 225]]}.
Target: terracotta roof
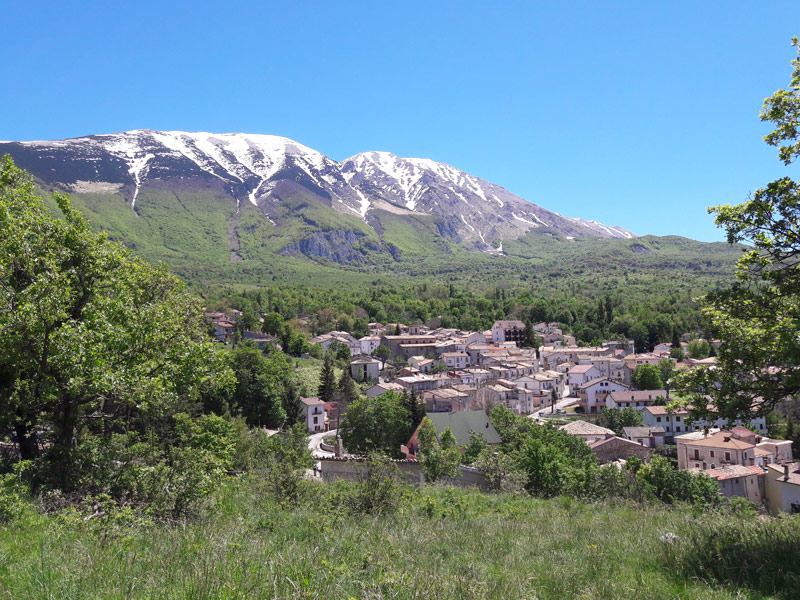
{"points": [[742, 432], [733, 472], [721, 439], [662, 410], [580, 369]]}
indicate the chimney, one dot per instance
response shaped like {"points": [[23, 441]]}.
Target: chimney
{"points": [[786, 472]]}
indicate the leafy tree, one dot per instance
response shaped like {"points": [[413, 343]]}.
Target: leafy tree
{"points": [[315, 351], [699, 349], [501, 471], [544, 466], [88, 330], [272, 323], [676, 353], [286, 460], [360, 328], [782, 109], [617, 418], [669, 485], [378, 424], [247, 321], [440, 458], [290, 400], [477, 444], [666, 368], [382, 352], [297, 344], [285, 335], [647, 377], [260, 383], [758, 363], [327, 383]]}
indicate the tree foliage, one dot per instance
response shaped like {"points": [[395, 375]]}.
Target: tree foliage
{"points": [[92, 339], [380, 424], [758, 318], [327, 384], [617, 418], [440, 457], [260, 385], [647, 377]]}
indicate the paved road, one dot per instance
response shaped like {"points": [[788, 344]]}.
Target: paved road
{"points": [[563, 403], [315, 439]]}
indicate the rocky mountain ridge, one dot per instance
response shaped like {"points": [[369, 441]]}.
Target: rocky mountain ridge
{"points": [[254, 168]]}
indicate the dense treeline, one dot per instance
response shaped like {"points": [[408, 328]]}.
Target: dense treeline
{"points": [[648, 316]]}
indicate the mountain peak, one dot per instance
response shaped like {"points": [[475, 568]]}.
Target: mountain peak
{"points": [[475, 212]]}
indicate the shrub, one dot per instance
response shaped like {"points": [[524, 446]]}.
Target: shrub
{"points": [[501, 471], [284, 462], [379, 490], [14, 492]]}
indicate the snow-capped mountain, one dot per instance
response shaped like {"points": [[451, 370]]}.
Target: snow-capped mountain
{"points": [[476, 213]]}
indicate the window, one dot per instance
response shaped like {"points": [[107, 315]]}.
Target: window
{"points": [[678, 429], [728, 456], [658, 419], [696, 454], [316, 420], [712, 454]]}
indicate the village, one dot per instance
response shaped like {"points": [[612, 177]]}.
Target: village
{"points": [[459, 376]]}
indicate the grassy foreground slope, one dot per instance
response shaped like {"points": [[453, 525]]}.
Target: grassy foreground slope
{"points": [[444, 543]]}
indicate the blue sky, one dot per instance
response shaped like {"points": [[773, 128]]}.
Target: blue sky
{"points": [[638, 114]]}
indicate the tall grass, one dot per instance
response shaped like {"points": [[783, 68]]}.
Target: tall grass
{"points": [[760, 554], [440, 543]]}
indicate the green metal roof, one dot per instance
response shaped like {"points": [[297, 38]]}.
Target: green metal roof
{"points": [[461, 423]]}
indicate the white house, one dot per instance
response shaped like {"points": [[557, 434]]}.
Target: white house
{"points": [[580, 374], [313, 410], [592, 394], [677, 422], [455, 360], [638, 399], [369, 343]]}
